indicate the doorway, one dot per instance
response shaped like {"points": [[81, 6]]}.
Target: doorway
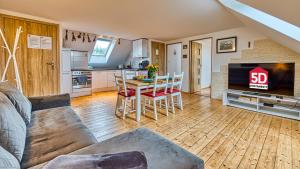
{"points": [[174, 58], [201, 66], [158, 56]]}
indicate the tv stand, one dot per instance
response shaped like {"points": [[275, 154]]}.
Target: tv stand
{"points": [[283, 106]]}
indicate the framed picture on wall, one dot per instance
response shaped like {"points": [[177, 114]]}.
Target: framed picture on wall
{"points": [[227, 45]]}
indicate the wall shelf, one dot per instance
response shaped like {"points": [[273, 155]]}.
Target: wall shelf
{"points": [[288, 107]]}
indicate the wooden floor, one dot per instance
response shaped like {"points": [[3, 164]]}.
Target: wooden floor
{"points": [[204, 92], [224, 137]]}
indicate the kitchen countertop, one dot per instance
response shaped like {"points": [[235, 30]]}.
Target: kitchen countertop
{"points": [[104, 69]]}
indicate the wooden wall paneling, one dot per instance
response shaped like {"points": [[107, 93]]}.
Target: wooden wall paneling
{"points": [[35, 64], [37, 77], [8, 27], [2, 54], [52, 79]]}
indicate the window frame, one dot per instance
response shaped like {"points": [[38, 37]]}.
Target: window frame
{"points": [[107, 49]]}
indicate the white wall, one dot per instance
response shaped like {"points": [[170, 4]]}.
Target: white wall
{"points": [[174, 59], [244, 36]]}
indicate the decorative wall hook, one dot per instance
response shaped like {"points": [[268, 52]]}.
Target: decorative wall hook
{"points": [[89, 39], [79, 35], [73, 37], [83, 38], [66, 36]]}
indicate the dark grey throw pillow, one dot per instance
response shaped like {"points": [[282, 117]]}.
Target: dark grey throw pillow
{"points": [[21, 103], [125, 160], [12, 128], [7, 160]]}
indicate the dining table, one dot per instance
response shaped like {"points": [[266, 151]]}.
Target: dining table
{"points": [[138, 85]]}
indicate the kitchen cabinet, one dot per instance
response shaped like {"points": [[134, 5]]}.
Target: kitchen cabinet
{"points": [[66, 74], [99, 79], [111, 77], [66, 83], [104, 80], [140, 48]]}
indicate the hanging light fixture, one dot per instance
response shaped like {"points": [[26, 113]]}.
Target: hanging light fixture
{"points": [[66, 36], [73, 37], [89, 39], [119, 41]]}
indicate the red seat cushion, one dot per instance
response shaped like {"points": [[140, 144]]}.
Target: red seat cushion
{"points": [[157, 94], [174, 91], [130, 93]]}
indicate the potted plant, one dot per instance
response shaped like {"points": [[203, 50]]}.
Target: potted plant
{"points": [[152, 69]]}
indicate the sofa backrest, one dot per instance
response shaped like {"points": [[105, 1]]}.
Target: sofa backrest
{"points": [[7, 160], [21, 103], [12, 128]]}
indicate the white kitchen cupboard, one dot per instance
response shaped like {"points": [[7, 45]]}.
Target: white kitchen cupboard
{"points": [[66, 73], [140, 48], [99, 79], [111, 77], [104, 80]]}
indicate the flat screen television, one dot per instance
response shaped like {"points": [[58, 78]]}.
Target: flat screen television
{"points": [[271, 78]]}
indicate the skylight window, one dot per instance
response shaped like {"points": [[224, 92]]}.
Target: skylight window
{"points": [[272, 22], [102, 51], [101, 47]]}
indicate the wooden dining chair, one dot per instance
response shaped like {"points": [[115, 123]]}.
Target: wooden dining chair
{"points": [[125, 95], [158, 93], [175, 91]]}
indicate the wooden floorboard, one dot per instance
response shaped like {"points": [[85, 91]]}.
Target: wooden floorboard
{"points": [[224, 137]]}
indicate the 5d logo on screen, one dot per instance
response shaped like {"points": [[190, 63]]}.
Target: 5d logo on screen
{"points": [[258, 79]]}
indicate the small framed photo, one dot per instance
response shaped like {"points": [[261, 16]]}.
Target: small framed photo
{"points": [[185, 46], [227, 45]]}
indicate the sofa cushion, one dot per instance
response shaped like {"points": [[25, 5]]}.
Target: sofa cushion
{"points": [[21, 103], [12, 128], [48, 102], [7, 160], [124, 160], [160, 152], [54, 132]]}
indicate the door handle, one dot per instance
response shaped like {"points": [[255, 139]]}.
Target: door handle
{"points": [[51, 64]]}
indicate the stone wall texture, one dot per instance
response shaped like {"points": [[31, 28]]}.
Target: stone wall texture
{"points": [[264, 51]]}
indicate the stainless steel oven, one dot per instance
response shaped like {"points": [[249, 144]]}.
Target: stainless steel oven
{"points": [[81, 83]]}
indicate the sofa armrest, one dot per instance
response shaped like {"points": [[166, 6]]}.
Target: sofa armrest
{"points": [[47, 102]]}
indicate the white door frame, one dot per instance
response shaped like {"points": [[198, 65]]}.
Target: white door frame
{"points": [[190, 62]]}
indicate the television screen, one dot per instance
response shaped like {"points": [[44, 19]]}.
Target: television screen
{"points": [[272, 78]]}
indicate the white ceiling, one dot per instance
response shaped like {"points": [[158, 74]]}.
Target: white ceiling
{"points": [[267, 31], [155, 19], [287, 10]]}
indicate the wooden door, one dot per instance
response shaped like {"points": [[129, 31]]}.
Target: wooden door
{"points": [[159, 56], [196, 67], [39, 68]]}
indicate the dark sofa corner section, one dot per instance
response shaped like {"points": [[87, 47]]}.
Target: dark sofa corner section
{"points": [[47, 102]]}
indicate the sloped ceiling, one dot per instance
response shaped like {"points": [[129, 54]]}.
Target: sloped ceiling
{"points": [[155, 19], [287, 10], [277, 9]]}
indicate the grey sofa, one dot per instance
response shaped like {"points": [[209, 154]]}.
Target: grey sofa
{"points": [[36, 130]]}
